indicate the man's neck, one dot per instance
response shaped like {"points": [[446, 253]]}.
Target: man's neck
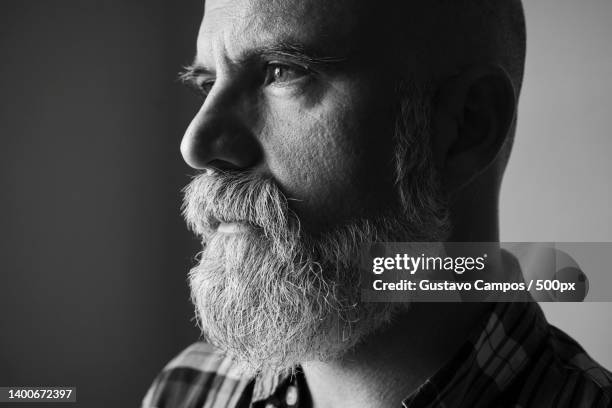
{"points": [[395, 361]]}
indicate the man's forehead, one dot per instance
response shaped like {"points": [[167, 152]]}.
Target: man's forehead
{"points": [[332, 27]]}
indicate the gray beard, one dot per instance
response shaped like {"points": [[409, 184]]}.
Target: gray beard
{"points": [[271, 298]]}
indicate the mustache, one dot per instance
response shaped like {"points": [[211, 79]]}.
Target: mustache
{"points": [[223, 197]]}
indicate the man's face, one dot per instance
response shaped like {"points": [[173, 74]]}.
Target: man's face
{"points": [[307, 142], [297, 93]]}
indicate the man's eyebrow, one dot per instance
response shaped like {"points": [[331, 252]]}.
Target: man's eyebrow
{"points": [[190, 72], [295, 51]]}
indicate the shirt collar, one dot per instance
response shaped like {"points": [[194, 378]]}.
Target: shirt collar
{"points": [[488, 363], [267, 384], [492, 357]]}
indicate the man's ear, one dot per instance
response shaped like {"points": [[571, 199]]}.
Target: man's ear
{"points": [[473, 116]]}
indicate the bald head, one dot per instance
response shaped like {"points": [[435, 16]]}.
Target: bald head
{"points": [[431, 38], [435, 39]]}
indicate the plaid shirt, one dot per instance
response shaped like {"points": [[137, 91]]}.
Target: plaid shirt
{"points": [[514, 359]]}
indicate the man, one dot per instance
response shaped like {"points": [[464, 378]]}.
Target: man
{"points": [[327, 125]]}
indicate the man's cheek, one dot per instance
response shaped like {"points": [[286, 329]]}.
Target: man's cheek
{"points": [[316, 185], [318, 156]]}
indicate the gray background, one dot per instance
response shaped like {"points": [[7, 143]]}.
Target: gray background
{"points": [[94, 254], [558, 184]]}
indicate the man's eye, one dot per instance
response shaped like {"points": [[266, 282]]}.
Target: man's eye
{"points": [[204, 87], [281, 73], [200, 87]]}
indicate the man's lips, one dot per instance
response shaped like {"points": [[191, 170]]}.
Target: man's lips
{"points": [[232, 227], [227, 226]]}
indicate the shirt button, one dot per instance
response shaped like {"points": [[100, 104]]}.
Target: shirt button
{"points": [[291, 397]]}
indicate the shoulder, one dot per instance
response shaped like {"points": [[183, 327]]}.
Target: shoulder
{"points": [[199, 376], [587, 377], [564, 375]]}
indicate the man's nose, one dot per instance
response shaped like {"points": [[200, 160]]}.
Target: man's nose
{"points": [[219, 138]]}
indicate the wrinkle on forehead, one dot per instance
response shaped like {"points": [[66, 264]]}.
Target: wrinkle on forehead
{"points": [[243, 24]]}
